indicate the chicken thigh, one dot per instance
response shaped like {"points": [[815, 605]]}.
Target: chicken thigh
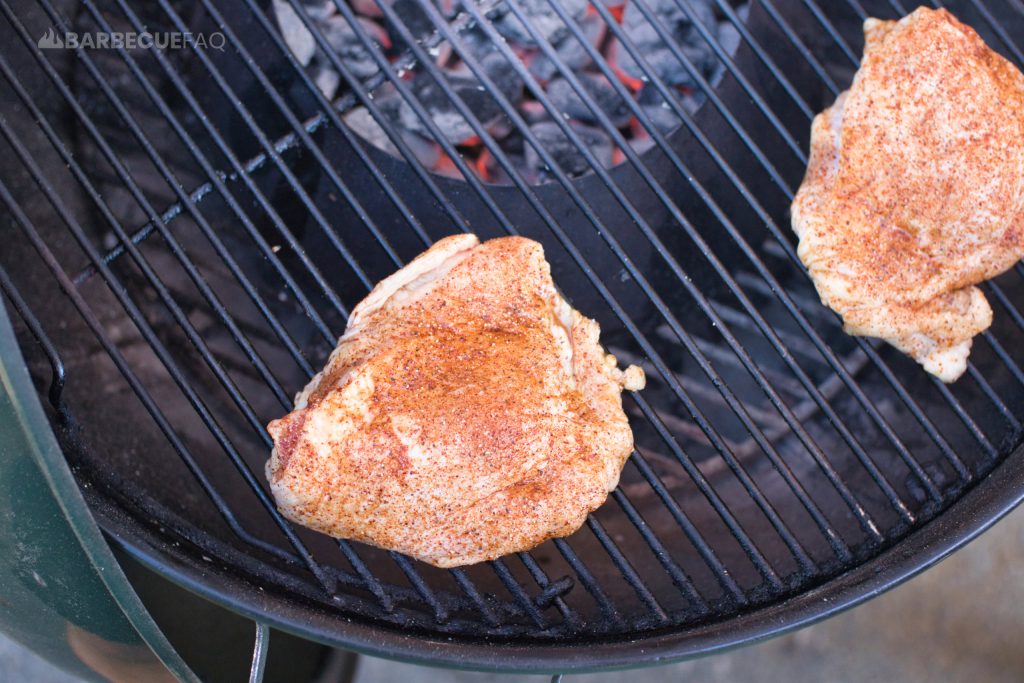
{"points": [[915, 188], [467, 412]]}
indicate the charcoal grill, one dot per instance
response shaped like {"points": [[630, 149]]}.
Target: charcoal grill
{"points": [[188, 229]]}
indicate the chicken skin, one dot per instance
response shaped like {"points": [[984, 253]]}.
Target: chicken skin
{"points": [[915, 189], [467, 412]]}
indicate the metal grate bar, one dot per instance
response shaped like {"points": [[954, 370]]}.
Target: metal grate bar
{"points": [[297, 127], [58, 372], [824, 22], [356, 562], [161, 352], [421, 586], [361, 569], [326, 582], [755, 45], [708, 491], [396, 139], [858, 8], [947, 451], [513, 586], [555, 589], [120, 292], [1000, 295], [993, 396], [370, 581], [998, 29], [966, 418], [470, 589], [623, 564], [592, 585], [294, 183], [326, 106], [1003, 356], [726, 59], [679, 577], [296, 186], [362, 93], [243, 171], [798, 44]]}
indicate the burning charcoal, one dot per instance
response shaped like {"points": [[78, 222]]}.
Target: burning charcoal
{"points": [[504, 76], [569, 50], [414, 17], [472, 39], [568, 101], [564, 151], [452, 124], [677, 24], [427, 152], [318, 10], [296, 35], [327, 80], [368, 8], [340, 36], [533, 111], [728, 37], [543, 19], [662, 115], [693, 100], [361, 121]]}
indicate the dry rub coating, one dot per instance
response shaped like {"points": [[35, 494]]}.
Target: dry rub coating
{"points": [[468, 412], [915, 188]]}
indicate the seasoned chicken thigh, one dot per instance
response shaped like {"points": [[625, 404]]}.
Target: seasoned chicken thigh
{"points": [[915, 188], [467, 412]]}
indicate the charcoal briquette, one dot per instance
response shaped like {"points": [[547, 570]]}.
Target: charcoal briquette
{"points": [[544, 20], [570, 51], [346, 44], [564, 151], [677, 24], [568, 101]]}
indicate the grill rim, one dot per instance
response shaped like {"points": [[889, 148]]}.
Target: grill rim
{"points": [[980, 507]]}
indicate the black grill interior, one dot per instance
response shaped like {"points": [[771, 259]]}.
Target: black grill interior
{"points": [[188, 229]]}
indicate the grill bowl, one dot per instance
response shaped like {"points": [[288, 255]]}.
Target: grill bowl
{"points": [[783, 470]]}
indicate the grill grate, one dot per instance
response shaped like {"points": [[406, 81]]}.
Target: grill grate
{"points": [[187, 225]]}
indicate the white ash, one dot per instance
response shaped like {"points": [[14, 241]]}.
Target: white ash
{"points": [[296, 36]]}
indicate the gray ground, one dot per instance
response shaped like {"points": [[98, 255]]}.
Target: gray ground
{"points": [[961, 621]]}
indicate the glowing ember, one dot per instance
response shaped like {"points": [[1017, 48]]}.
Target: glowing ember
{"points": [[587, 47]]}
